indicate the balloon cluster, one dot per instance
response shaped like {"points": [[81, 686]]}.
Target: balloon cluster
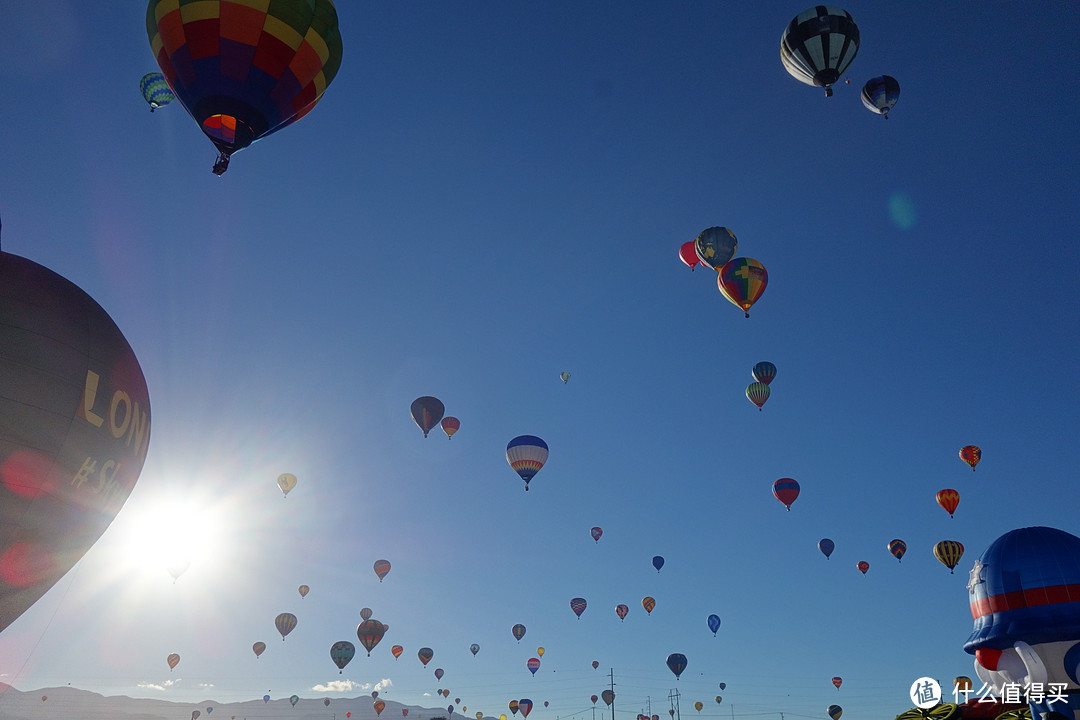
{"points": [[741, 280]]}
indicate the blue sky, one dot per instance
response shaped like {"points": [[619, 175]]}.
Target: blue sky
{"points": [[489, 194]]}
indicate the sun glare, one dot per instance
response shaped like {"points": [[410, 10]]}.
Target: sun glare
{"points": [[169, 537]]}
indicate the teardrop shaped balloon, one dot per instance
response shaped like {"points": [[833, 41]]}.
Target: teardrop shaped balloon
{"points": [[326, 702], [474, 648], [835, 711], [426, 412], [715, 246], [714, 623], [688, 254], [764, 372], [525, 706], [622, 611], [818, 45], [698, 705], [396, 651], [374, 694], [863, 566], [450, 425], [676, 663], [648, 603], [948, 499], [758, 393], [258, 648], [155, 91], [195, 714], [540, 651], [382, 567], [173, 660], [608, 697], [379, 706], [596, 533], [786, 490], [578, 605], [518, 631], [723, 686], [341, 653], [971, 454], [838, 681], [533, 664], [285, 623], [365, 613], [370, 632], [897, 547], [826, 546], [594, 699], [266, 699], [294, 699], [526, 455], [513, 705], [425, 654], [564, 376], [286, 482], [742, 281], [657, 562], [595, 664], [880, 93], [438, 673], [303, 590], [718, 699], [949, 552]]}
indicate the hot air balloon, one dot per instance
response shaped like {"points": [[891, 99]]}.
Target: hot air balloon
{"points": [[518, 631], [826, 546], [648, 603], [818, 45], [450, 710], [714, 623], [971, 454], [948, 499], [374, 694], [835, 711], [426, 412], [294, 699], [676, 663], [608, 697], [155, 90], [474, 648], [425, 654], [688, 254], [379, 706], [699, 705], [863, 566], [596, 533], [370, 632], [365, 613], [178, 566], [897, 547], [718, 699], [758, 393], [438, 673], [266, 699], [837, 681], [525, 706], [195, 714], [382, 567], [173, 660], [404, 712], [341, 653], [564, 376], [949, 553], [479, 715], [326, 702], [764, 372], [75, 430], [285, 622], [286, 481], [723, 686], [303, 590], [622, 611], [657, 562], [880, 93], [450, 425], [244, 73], [715, 246], [595, 664], [533, 664], [786, 490], [526, 454], [578, 606], [742, 281], [513, 705], [594, 699], [396, 651], [540, 652], [209, 710], [46, 697]]}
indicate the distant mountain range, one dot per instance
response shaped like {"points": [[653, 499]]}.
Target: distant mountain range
{"points": [[68, 703]]}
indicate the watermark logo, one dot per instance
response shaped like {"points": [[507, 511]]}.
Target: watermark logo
{"points": [[925, 692]]}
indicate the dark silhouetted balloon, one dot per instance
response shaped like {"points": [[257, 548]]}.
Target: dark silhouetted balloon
{"points": [[426, 412], [74, 428], [676, 662], [879, 94], [826, 546]]}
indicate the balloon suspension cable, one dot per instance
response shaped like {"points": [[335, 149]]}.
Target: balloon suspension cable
{"points": [[221, 165]]}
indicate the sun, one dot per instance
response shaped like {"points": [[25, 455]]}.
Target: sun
{"points": [[170, 535]]}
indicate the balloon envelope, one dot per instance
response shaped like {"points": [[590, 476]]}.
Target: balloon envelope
{"points": [[425, 654], [688, 254], [818, 45], [526, 455], [949, 552], [596, 533], [286, 481], [714, 623], [450, 425], [897, 547], [758, 393], [837, 681], [294, 699], [426, 412], [863, 566], [742, 281], [474, 648], [948, 499], [365, 613], [518, 631], [525, 706], [676, 662], [657, 562], [341, 653], [75, 430], [303, 590], [764, 372], [835, 711], [379, 706], [608, 697], [826, 546], [971, 454], [786, 490], [648, 603], [155, 90], [258, 648], [622, 611], [370, 632], [173, 660], [564, 376], [533, 664], [439, 673], [715, 246], [382, 567], [879, 94], [396, 651], [578, 605], [285, 622]]}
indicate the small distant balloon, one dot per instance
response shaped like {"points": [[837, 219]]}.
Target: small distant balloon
{"points": [[949, 552], [723, 686], [657, 562], [426, 412], [838, 681], [676, 663], [286, 481], [715, 246], [879, 94], [564, 376], [450, 425], [425, 654], [595, 664], [826, 546], [178, 566], [303, 590], [285, 622], [764, 372], [396, 651], [439, 673], [341, 653], [474, 648], [518, 631], [294, 699], [718, 699], [365, 613], [786, 490], [648, 603], [835, 711], [714, 623], [540, 651], [622, 611], [594, 699], [863, 566], [533, 664], [897, 547], [758, 393], [266, 698], [326, 702], [596, 533], [155, 90], [699, 705], [578, 605], [513, 705], [525, 706], [971, 454], [608, 697], [962, 683], [382, 567], [195, 714], [526, 455], [173, 660], [688, 254], [379, 706], [948, 499]]}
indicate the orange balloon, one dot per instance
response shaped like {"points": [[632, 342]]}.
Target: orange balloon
{"points": [[948, 499]]}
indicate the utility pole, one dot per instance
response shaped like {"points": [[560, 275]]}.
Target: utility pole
{"points": [[611, 672], [648, 707], [673, 699]]}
